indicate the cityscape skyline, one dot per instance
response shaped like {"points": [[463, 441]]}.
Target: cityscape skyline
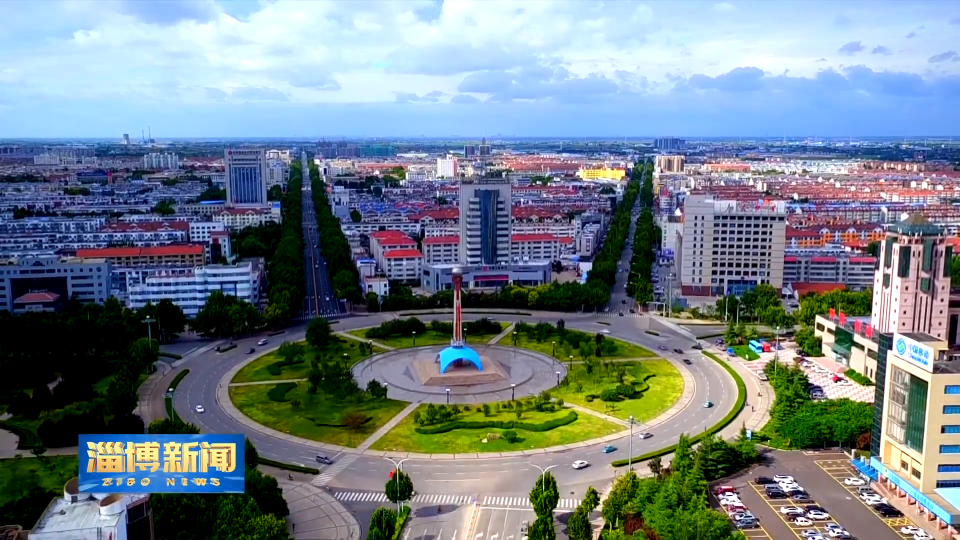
{"points": [[409, 69]]}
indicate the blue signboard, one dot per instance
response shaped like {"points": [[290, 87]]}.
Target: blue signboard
{"points": [[161, 463]]}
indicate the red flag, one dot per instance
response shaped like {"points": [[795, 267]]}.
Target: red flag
{"points": [[856, 326], [869, 331], [833, 314], [843, 318]]}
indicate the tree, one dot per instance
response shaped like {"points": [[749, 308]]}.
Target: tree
{"points": [[542, 529], [383, 520], [622, 492], [266, 492], [376, 389], [656, 466], [356, 216], [591, 500], [578, 526], [168, 426], [164, 208], [291, 352], [399, 488], [545, 495], [319, 333]]}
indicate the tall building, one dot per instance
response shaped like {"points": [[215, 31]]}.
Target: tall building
{"points": [[156, 161], [730, 247], [485, 222], [484, 148], [911, 289], [668, 143], [246, 176], [126, 139], [278, 173], [447, 167], [470, 151], [669, 164]]}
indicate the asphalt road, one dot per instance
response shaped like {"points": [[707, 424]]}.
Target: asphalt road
{"points": [[498, 476], [320, 298]]}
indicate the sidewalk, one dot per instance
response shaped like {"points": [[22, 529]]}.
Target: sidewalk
{"points": [[496, 339], [314, 513], [361, 340], [388, 426]]}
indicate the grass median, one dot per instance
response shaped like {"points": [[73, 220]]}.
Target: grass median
{"points": [[315, 417], [427, 338], [405, 438], [658, 384], [259, 369], [724, 422], [623, 350]]}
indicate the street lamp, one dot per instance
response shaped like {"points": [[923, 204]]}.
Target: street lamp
{"points": [[396, 475], [448, 396], [571, 363], [554, 348], [513, 392], [558, 378], [630, 455], [414, 338], [147, 321], [543, 473], [514, 339]]}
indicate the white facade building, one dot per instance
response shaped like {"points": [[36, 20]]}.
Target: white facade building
{"points": [[190, 290], [441, 249], [730, 247], [278, 173], [238, 218], [246, 176], [200, 230], [402, 264], [447, 168], [157, 161], [280, 155]]}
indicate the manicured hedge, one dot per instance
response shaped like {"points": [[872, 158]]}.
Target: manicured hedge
{"points": [[225, 348], [27, 439], [321, 424], [287, 466], [279, 392], [178, 378], [857, 377], [276, 367], [500, 424], [724, 422], [175, 356], [401, 521]]}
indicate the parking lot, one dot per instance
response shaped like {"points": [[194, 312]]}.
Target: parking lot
{"points": [[506, 523], [821, 476], [839, 470]]}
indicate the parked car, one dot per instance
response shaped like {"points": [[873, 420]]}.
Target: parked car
{"points": [[775, 493], [837, 533], [742, 515], [817, 514], [782, 478], [745, 523], [800, 497], [763, 480], [809, 533], [802, 521], [792, 511], [887, 511], [853, 481]]}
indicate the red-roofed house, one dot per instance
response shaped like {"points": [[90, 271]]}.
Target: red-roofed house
{"points": [[402, 264], [36, 301]]}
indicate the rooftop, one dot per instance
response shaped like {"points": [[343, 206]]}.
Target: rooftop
{"points": [[402, 254], [155, 251]]}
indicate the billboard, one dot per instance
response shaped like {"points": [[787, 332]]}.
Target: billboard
{"points": [[208, 463], [914, 352]]}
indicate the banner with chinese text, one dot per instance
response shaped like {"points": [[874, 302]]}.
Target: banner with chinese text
{"points": [[206, 463]]}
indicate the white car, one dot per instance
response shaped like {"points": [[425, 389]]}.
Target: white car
{"points": [[910, 530], [810, 533], [262, 342], [853, 481], [643, 436], [731, 502], [788, 485], [200, 409], [580, 464], [818, 515], [791, 511], [873, 501], [802, 521], [836, 533], [782, 478]]}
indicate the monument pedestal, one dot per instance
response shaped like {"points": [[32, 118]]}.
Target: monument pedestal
{"points": [[461, 373]]}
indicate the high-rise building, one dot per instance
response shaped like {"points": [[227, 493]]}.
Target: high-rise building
{"points": [[668, 143], [157, 161], [911, 288], [447, 167], [470, 151], [669, 164], [485, 222], [730, 247], [125, 139], [278, 173], [246, 176], [484, 148]]}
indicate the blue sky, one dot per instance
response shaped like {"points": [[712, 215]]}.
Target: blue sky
{"points": [[296, 68]]}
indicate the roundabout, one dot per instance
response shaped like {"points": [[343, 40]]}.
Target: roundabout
{"points": [[364, 467]]}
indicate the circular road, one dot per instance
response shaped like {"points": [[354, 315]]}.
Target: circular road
{"points": [[477, 475]]}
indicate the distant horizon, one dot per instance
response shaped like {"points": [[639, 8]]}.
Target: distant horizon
{"points": [[689, 139]]}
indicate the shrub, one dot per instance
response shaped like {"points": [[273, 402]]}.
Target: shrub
{"points": [[625, 390], [590, 398], [354, 420], [499, 424], [279, 392], [486, 409], [609, 394], [858, 378], [510, 435]]}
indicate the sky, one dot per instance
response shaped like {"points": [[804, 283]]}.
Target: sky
{"points": [[383, 68]]}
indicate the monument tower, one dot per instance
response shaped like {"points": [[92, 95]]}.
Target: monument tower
{"points": [[458, 352], [457, 340]]}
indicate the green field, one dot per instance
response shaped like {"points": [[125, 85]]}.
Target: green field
{"points": [[403, 438], [17, 475], [665, 388], [427, 338], [624, 350], [743, 351], [254, 402], [257, 370]]}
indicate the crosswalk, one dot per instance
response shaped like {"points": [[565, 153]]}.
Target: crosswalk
{"points": [[331, 471], [379, 497], [617, 314], [524, 502]]}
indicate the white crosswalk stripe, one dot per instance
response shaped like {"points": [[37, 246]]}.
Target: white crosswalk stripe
{"points": [[523, 502], [422, 498], [333, 470]]}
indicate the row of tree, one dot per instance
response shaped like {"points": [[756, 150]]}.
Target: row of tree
{"points": [[570, 296], [604, 268], [333, 244], [803, 423], [646, 241], [285, 268]]}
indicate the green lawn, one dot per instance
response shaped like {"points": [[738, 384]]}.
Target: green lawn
{"points": [[743, 351], [403, 438], [665, 388], [49, 472], [301, 421], [257, 370], [427, 338], [624, 350]]}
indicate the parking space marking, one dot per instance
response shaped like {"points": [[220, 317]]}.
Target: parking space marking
{"points": [[759, 532], [776, 510], [838, 471]]}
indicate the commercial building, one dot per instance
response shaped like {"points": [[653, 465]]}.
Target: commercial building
{"points": [[86, 279], [485, 222], [439, 277], [730, 246], [133, 257], [85, 516], [155, 161], [447, 167], [601, 173], [377, 285], [536, 247], [201, 231], [828, 266], [278, 173], [246, 176], [189, 289]]}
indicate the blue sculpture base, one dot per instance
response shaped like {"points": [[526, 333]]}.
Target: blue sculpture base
{"points": [[450, 355]]}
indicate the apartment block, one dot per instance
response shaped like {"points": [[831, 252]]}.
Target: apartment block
{"points": [[731, 246], [402, 264], [190, 289], [537, 247], [441, 250], [669, 164]]}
